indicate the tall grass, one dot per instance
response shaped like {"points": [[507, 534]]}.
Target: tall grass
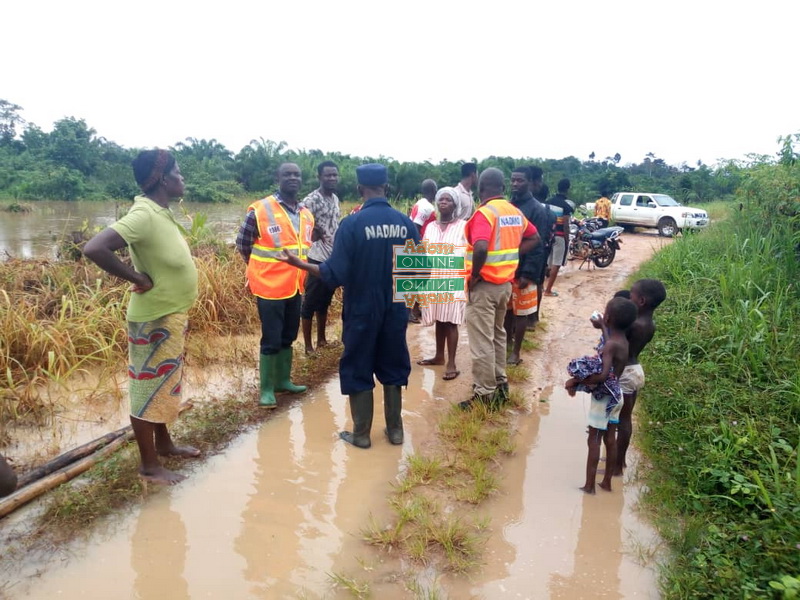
{"points": [[59, 317], [719, 416]]}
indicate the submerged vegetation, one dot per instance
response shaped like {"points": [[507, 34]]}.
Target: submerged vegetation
{"points": [[719, 416], [60, 317]]}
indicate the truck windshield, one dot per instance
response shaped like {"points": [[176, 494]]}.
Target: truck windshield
{"points": [[664, 200]]}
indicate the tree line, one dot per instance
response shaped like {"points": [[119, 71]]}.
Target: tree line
{"points": [[73, 162]]}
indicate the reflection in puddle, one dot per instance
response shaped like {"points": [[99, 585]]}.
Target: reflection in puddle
{"points": [[284, 506], [272, 517], [158, 552], [556, 541]]}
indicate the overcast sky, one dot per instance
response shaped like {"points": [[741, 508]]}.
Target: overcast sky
{"points": [[415, 80]]}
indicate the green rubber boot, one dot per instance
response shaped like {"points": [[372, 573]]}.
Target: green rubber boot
{"points": [[283, 374], [361, 408], [392, 409], [266, 370]]}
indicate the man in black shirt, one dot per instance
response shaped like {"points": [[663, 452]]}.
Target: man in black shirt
{"points": [[558, 255], [530, 271]]}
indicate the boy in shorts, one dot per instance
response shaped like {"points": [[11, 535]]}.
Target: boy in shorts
{"points": [[647, 295], [523, 303], [599, 377]]}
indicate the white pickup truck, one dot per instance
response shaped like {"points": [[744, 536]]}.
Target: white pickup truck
{"points": [[636, 209]]}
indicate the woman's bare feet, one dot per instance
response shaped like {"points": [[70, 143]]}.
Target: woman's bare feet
{"points": [[588, 489], [605, 486], [179, 451], [161, 476]]}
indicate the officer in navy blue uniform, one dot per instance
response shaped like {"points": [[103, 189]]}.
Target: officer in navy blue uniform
{"points": [[375, 325]]}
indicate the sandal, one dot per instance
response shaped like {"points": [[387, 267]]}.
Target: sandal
{"points": [[450, 375], [553, 293]]}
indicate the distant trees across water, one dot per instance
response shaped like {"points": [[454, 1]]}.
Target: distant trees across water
{"points": [[73, 162]]}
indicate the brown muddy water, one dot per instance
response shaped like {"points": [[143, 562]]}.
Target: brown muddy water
{"points": [[282, 508], [36, 234]]}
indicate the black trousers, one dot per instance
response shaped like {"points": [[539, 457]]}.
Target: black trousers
{"points": [[280, 322], [318, 295]]}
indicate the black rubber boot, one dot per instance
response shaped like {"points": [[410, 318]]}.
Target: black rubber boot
{"points": [[502, 393], [361, 408], [392, 409]]}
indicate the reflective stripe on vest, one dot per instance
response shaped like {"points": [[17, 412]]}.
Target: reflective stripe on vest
{"points": [[269, 277], [503, 254]]}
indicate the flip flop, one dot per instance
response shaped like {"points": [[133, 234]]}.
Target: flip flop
{"points": [[513, 364], [450, 375], [553, 293]]}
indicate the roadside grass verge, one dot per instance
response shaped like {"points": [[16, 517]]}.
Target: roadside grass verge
{"points": [[435, 521], [719, 415]]}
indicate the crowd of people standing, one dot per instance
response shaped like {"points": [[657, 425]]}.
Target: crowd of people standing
{"points": [[298, 250]]}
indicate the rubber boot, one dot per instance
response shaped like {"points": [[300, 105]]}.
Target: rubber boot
{"points": [[361, 408], [266, 369], [392, 409], [283, 374], [502, 393], [486, 399]]}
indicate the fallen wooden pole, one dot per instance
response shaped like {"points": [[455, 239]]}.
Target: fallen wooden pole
{"points": [[67, 458], [28, 493]]}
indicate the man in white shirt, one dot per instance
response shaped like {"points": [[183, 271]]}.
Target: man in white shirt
{"points": [[423, 212], [465, 203]]}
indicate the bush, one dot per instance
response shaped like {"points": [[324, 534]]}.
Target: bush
{"points": [[722, 404]]}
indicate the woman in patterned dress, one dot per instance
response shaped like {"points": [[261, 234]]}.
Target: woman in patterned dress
{"points": [[446, 316], [164, 287]]}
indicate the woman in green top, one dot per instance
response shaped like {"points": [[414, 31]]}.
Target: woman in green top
{"points": [[164, 287]]}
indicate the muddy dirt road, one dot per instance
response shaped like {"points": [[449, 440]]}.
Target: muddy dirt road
{"points": [[282, 508]]}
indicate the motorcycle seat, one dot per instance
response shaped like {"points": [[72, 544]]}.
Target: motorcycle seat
{"points": [[605, 232]]}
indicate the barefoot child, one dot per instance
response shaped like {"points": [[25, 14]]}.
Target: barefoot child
{"points": [[647, 295], [597, 374]]}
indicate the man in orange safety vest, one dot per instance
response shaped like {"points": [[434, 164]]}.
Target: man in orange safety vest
{"points": [[496, 236], [272, 224]]}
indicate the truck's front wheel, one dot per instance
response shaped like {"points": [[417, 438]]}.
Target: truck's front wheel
{"points": [[667, 227]]}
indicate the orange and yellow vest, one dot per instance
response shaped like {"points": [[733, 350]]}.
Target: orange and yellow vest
{"points": [[270, 278], [508, 224]]}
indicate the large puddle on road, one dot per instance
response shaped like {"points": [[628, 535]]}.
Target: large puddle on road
{"points": [[557, 542], [282, 508], [272, 517]]}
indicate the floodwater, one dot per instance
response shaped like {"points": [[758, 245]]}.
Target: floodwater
{"points": [[36, 234], [282, 508], [94, 402]]}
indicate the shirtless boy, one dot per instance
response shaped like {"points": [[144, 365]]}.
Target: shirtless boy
{"points": [[620, 313], [647, 295]]}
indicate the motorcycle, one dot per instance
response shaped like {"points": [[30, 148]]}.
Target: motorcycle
{"points": [[590, 241]]}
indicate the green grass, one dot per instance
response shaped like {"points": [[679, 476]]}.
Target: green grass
{"points": [[718, 210], [433, 518], [354, 587], [719, 416]]}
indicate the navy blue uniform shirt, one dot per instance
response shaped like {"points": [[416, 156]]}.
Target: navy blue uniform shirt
{"points": [[362, 261]]}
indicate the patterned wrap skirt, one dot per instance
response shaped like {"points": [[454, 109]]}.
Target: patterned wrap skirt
{"points": [[155, 367]]}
